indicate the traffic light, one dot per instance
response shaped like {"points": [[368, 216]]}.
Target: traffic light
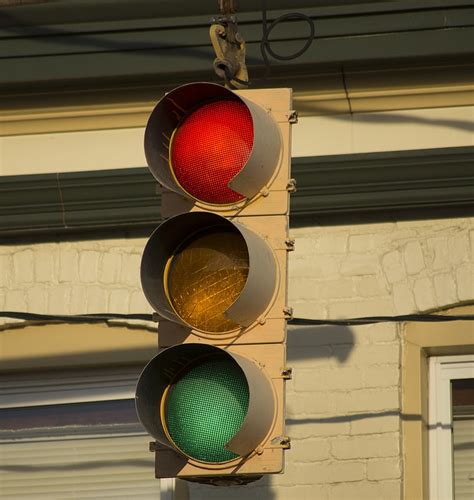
{"points": [[215, 273]]}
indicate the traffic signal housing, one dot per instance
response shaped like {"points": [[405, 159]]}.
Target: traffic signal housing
{"points": [[215, 273], [217, 280], [220, 150], [214, 412]]}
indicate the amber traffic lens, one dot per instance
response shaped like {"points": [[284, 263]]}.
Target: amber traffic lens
{"points": [[205, 277]]}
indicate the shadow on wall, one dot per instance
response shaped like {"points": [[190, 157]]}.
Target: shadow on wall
{"points": [[354, 418], [395, 118], [404, 118], [314, 342], [259, 490]]}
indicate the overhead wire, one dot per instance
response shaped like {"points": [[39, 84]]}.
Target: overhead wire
{"points": [[367, 320], [404, 318], [74, 318]]}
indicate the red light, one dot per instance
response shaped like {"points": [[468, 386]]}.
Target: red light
{"points": [[211, 146]]}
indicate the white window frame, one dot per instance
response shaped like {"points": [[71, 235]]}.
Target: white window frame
{"points": [[442, 370]]}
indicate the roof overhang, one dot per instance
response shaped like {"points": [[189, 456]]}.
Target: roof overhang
{"points": [[126, 199], [65, 44]]}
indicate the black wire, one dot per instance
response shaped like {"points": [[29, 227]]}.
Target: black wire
{"points": [[267, 28], [423, 318], [100, 317], [229, 78], [77, 318]]}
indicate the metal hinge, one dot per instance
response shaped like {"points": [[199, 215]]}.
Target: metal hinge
{"points": [[282, 442]]}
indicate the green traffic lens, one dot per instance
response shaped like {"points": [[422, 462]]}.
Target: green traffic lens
{"points": [[206, 407]]}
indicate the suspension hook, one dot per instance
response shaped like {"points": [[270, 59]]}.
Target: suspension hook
{"points": [[229, 46]]}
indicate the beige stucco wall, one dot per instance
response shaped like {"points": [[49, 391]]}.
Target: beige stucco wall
{"points": [[314, 135], [345, 396]]}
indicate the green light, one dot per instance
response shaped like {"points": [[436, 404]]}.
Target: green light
{"points": [[206, 407]]}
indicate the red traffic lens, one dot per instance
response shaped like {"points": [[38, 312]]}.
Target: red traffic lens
{"points": [[210, 146]]}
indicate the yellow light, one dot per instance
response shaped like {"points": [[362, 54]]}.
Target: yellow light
{"points": [[205, 277]]}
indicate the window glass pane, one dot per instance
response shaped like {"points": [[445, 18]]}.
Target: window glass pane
{"points": [[462, 393]]}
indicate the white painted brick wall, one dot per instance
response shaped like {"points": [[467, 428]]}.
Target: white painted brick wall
{"points": [[344, 399], [383, 469], [73, 277]]}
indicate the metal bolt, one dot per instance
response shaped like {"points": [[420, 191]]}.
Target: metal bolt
{"points": [[293, 116], [290, 244], [291, 186], [285, 443], [288, 312]]}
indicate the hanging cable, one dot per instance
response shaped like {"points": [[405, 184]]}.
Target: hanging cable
{"points": [[369, 320], [101, 317], [74, 318], [265, 44]]}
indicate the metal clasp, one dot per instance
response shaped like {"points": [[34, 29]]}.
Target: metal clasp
{"points": [[229, 46]]}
